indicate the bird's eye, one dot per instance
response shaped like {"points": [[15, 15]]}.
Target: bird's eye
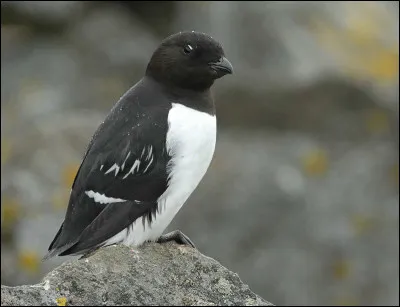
{"points": [[187, 49]]}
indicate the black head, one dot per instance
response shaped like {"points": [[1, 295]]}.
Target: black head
{"points": [[189, 60]]}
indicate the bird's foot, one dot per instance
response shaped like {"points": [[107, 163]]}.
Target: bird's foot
{"points": [[177, 236], [88, 254]]}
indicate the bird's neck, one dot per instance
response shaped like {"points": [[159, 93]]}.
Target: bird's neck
{"points": [[201, 100]]}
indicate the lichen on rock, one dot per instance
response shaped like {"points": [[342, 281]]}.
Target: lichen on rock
{"points": [[154, 274]]}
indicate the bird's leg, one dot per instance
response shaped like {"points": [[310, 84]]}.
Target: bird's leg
{"points": [[177, 236]]}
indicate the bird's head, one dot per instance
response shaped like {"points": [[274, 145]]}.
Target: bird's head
{"points": [[189, 60]]}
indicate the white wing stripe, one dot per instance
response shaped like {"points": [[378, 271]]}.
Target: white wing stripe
{"points": [[150, 153], [151, 161], [116, 167], [136, 164], [132, 170], [102, 199], [123, 164]]}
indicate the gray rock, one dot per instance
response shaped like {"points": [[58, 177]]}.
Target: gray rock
{"points": [[154, 274]]}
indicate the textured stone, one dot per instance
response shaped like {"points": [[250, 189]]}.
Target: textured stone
{"points": [[154, 274]]}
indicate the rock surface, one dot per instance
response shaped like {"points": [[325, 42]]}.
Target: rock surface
{"points": [[154, 274]]}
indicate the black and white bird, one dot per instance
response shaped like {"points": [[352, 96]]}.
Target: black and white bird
{"points": [[149, 154]]}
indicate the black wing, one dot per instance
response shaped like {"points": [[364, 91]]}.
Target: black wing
{"points": [[122, 175]]}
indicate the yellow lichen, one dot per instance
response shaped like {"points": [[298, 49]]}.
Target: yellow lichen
{"points": [[10, 212], [29, 261], [359, 44], [315, 162], [341, 269], [61, 301], [362, 223], [69, 174], [6, 151]]}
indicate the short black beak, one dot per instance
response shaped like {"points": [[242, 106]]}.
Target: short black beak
{"points": [[223, 66]]}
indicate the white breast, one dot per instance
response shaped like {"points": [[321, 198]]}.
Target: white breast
{"points": [[190, 142]]}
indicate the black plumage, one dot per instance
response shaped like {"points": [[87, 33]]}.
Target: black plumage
{"points": [[127, 159]]}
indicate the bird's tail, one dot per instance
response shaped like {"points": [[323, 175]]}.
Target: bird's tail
{"points": [[50, 254], [56, 251]]}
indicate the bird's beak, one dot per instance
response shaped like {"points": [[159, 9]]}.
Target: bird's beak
{"points": [[222, 67]]}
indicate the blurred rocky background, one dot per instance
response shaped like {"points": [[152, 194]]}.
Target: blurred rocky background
{"points": [[302, 197]]}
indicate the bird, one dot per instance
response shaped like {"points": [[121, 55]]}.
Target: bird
{"points": [[149, 154]]}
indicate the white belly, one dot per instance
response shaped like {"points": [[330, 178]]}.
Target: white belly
{"points": [[191, 142]]}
